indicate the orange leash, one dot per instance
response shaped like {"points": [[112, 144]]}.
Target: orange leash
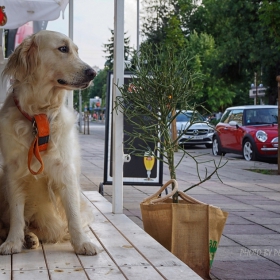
{"points": [[41, 132]]}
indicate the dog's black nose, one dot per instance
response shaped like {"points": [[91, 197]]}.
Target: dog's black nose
{"points": [[90, 73]]}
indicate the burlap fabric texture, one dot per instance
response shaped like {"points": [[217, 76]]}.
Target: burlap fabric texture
{"points": [[190, 229]]}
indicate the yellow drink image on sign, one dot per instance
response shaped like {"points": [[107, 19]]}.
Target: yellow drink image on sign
{"points": [[149, 162]]}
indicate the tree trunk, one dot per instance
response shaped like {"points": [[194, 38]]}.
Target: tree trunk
{"points": [[278, 80], [172, 172], [174, 130]]}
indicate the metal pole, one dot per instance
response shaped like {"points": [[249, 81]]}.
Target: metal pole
{"points": [[2, 46], [80, 111], [85, 115], [71, 9], [118, 72], [88, 123], [137, 46], [256, 96], [70, 34], [278, 80]]}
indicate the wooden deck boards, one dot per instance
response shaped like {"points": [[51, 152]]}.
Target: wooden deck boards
{"points": [[127, 253]]}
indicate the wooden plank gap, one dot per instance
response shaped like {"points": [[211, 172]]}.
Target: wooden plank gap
{"points": [[12, 271], [137, 250], [83, 267], [45, 258], [108, 253]]}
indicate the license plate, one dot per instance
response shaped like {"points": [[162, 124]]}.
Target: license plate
{"points": [[194, 137]]}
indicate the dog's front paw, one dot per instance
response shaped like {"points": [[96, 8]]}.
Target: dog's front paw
{"points": [[11, 247], [86, 248], [31, 241]]}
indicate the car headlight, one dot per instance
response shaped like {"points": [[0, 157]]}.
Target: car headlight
{"points": [[275, 142], [261, 135]]}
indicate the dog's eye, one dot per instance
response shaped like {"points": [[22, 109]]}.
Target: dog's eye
{"points": [[64, 49]]}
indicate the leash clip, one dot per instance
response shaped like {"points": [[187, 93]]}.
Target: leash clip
{"points": [[34, 128]]}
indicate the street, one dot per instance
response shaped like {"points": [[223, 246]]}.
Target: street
{"points": [[250, 244]]}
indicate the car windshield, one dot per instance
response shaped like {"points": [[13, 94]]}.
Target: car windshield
{"points": [[189, 116], [261, 116]]}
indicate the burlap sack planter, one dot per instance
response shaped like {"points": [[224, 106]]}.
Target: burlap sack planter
{"points": [[190, 229]]}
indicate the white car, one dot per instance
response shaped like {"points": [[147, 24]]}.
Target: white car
{"points": [[194, 130]]}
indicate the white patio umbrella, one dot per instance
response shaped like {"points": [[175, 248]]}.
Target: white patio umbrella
{"points": [[20, 12]]}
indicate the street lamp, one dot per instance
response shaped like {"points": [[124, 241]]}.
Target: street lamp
{"points": [[257, 91]]}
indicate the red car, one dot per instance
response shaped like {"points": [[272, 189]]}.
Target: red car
{"points": [[248, 130]]}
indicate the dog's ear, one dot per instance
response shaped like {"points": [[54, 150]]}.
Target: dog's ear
{"points": [[23, 61]]}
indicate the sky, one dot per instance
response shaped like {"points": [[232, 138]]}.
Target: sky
{"points": [[93, 20]]}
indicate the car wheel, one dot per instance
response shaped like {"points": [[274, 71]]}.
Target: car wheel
{"points": [[216, 147], [249, 152], [208, 145]]}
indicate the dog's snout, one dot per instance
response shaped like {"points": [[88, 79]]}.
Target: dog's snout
{"points": [[90, 73]]}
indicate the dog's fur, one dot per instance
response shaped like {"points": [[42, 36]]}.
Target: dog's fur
{"points": [[46, 206]]}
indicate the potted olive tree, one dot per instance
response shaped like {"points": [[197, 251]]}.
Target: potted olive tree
{"points": [[162, 86]]}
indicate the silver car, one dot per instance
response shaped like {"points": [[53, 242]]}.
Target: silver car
{"points": [[194, 130]]}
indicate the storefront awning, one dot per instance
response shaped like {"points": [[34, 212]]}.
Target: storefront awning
{"points": [[19, 12]]}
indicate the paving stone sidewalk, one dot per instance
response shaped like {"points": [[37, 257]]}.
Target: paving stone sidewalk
{"points": [[250, 245]]}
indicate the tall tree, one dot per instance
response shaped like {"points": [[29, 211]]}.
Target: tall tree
{"points": [[242, 41], [270, 16], [109, 50], [239, 30], [155, 19], [99, 87], [213, 93], [165, 25]]}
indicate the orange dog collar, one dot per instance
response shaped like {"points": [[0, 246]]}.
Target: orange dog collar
{"points": [[41, 132]]}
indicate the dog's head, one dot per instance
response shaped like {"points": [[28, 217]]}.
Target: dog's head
{"points": [[49, 57]]}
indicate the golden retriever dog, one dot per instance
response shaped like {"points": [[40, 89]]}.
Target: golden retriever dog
{"points": [[40, 195]]}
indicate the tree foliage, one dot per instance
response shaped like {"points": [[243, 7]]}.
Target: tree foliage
{"points": [[270, 16], [228, 40], [200, 48], [99, 87], [109, 50], [213, 92], [155, 20], [85, 93]]}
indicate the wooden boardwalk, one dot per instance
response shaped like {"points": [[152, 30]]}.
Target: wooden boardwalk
{"points": [[127, 253]]}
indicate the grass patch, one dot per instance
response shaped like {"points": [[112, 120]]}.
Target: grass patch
{"points": [[264, 171]]}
